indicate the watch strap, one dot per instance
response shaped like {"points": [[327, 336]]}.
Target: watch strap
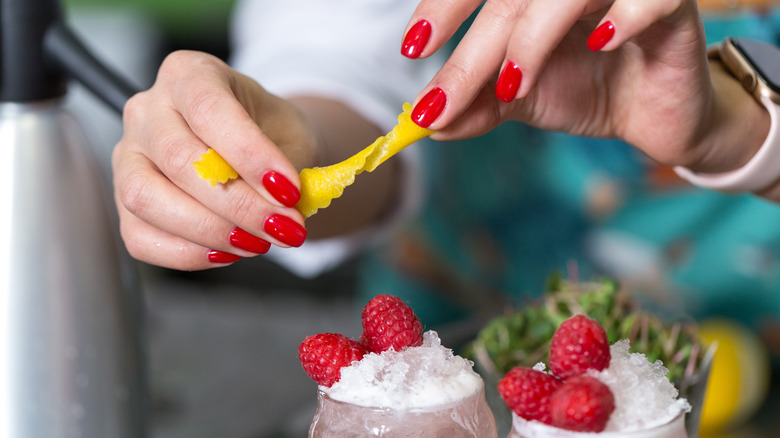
{"points": [[759, 173]]}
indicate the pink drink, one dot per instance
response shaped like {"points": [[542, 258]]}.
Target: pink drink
{"points": [[466, 418], [419, 391], [646, 402], [522, 428]]}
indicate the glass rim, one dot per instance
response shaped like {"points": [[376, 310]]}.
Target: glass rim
{"points": [[321, 394]]}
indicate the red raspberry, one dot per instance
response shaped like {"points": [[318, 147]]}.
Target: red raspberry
{"points": [[579, 344], [582, 404], [527, 393], [389, 323], [323, 356]]}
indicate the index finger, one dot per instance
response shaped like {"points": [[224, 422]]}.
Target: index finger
{"points": [[473, 63], [208, 102]]}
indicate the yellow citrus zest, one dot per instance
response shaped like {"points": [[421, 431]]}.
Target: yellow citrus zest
{"points": [[320, 185], [213, 168]]}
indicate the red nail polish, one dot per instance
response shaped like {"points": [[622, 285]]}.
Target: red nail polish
{"points": [[601, 36], [508, 82], [241, 239], [281, 188], [416, 39], [429, 108], [285, 230], [222, 257]]}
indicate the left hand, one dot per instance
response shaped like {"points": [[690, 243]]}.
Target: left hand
{"points": [[602, 68]]}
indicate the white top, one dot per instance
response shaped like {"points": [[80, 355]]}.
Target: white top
{"points": [[344, 49]]}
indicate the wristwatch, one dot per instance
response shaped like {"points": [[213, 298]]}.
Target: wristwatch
{"points": [[756, 65]]}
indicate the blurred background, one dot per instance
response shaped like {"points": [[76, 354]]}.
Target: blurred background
{"points": [[222, 345]]}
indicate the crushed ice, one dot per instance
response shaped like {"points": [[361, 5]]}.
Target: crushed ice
{"points": [[416, 377]]}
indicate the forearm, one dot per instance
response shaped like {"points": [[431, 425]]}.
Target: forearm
{"points": [[341, 132]]}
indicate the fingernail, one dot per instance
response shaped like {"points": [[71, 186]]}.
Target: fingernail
{"points": [[241, 239], [285, 230], [416, 39], [222, 257], [508, 82], [281, 188], [429, 108], [601, 36]]}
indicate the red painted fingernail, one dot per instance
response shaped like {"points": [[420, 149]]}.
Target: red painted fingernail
{"points": [[601, 36], [429, 108], [241, 239], [416, 39], [285, 230], [281, 188], [222, 257], [508, 82]]}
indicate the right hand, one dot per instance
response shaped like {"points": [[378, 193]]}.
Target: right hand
{"points": [[171, 217]]}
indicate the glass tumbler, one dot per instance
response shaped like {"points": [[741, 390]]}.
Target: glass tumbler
{"points": [[522, 428], [469, 417]]}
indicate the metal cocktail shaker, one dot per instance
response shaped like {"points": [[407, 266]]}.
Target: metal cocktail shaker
{"points": [[71, 362]]}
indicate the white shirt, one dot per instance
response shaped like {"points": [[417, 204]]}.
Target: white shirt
{"points": [[349, 50]]}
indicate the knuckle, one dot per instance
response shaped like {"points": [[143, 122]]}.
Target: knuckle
{"points": [[205, 228], [242, 207], [506, 9], [133, 242], [134, 192], [176, 154], [135, 109], [200, 106], [460, 73], [178, 62]]}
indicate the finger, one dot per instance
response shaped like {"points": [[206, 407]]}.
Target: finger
{"points": [[147, 195], [432, 24], [627, 19], [152, 245], [238, 203], [473, 63], [536, 35], [212, 111]]}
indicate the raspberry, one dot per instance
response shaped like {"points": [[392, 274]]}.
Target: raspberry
{"points": [[578, 345], [582, 404], [323, 356], [527, 393], [389, 323]]}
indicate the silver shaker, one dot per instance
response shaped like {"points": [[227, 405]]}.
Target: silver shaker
{"points": [[71, 352]]}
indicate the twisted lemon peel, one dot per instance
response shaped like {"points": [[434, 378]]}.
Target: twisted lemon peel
{"points": [[320, 185]]}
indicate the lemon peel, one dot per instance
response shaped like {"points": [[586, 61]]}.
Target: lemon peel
{"points": [[320, 185], [213, 168]]}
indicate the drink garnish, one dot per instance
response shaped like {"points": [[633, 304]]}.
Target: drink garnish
{"points": [[320, 185], [388, 323]]}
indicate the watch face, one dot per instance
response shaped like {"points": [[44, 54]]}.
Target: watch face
{"points": [[763, 57]]}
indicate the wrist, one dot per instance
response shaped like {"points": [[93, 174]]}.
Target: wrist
{"points": [[741, 151], [735, 127]]}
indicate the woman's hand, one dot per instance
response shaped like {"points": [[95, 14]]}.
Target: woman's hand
{"points": [[171, 217], [635, 70]]}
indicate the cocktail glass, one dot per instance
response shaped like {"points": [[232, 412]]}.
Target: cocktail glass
{"points": [[522, 428], [469, 417]]}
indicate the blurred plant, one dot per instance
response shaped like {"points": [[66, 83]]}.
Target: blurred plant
{"points": [[522, 336]]}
